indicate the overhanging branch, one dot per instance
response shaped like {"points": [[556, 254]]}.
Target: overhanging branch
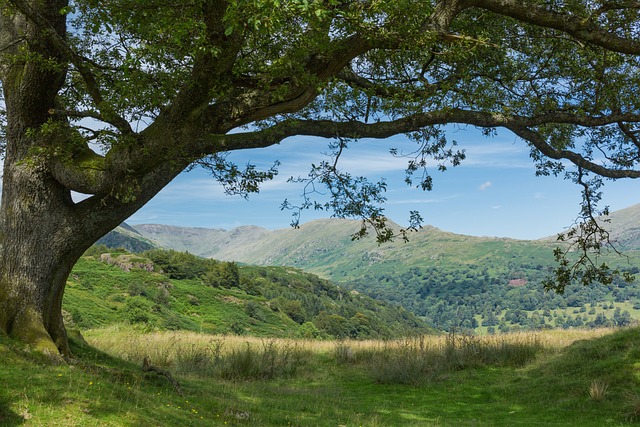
{"points": [[521, 126]]}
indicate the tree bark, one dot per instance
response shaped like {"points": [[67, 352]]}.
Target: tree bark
{"points": [[40, 243]]}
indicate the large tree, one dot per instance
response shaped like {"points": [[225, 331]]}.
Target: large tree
{"points": [[113, 98]]}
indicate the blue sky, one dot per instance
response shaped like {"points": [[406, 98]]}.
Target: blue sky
{"points": [[493, 193]]}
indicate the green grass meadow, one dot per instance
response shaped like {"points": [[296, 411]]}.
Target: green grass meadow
{"points": [[582, 378]]}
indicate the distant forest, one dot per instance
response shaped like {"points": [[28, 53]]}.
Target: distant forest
{"points": [[472, 297]]}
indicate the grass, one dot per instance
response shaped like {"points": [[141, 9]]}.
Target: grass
{"points": [[324, 383]]}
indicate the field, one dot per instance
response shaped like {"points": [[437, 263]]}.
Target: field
{"points": [[575, 377]]}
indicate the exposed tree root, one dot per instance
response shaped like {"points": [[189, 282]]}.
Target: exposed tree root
{"points": [[148, 367]]}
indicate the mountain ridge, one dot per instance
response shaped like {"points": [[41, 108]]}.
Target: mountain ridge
{"points": [[231, 244]]}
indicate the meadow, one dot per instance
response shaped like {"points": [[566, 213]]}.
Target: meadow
{"points": [[574, 377]]}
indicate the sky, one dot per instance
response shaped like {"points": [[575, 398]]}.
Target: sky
{"points": [[494, 192]]}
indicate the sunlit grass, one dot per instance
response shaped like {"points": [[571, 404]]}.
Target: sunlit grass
{"points": [[163, 347], [332, 384]]}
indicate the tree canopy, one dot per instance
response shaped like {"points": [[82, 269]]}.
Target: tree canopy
{"points": [[163, 86]]}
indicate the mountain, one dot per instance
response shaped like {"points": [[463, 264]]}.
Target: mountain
{"points": [[204, 242], [325, 247], [625, 227], [127, 237]]}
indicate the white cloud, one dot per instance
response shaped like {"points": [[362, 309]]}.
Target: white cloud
{"points": [[484, 185], [496, 207]]}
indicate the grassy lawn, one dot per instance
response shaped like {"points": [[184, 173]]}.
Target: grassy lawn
{"points": [[524, 379]]}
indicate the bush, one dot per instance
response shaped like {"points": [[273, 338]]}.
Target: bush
{"points": [[137, 288], [175, 322], [309, 330], [254, 311], [137, 310]]}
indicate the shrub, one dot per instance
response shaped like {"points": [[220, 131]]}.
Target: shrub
{"points": [[137, 310], [137, 288], [254, 311], [308, 330], [175, 322], [237, 328]]}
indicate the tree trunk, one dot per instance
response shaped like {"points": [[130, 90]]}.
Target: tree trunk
{"points": [[40, 242], [40, 237]]}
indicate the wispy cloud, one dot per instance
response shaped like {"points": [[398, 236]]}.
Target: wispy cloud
{"points": [[484, 185]]}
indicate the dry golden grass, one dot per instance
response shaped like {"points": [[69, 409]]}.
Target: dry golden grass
{"points": [[164, 347], [598, 390]]}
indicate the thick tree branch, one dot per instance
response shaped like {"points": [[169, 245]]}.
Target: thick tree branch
{"points": [[541, 144], [255, 104], [84, 172], [212, 66], [582, 28], [633, 136], [521, 126]]}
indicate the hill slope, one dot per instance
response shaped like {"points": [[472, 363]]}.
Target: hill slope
{"points": [[451, 280], [204, 242], [126, 237], [210, 296], [325, 247], [625, 227]]}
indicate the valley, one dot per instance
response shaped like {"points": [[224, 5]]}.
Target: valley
{"points": [[479, 284]]}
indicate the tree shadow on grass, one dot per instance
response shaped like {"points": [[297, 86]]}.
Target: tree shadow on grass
{"points": [[560, 384], [8, 418]]}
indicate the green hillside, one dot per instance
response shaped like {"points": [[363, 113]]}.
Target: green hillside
{"points": [[452, 281], [172, 290]]}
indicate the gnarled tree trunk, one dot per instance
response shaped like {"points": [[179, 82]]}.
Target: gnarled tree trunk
{"points": [[39, 244]]}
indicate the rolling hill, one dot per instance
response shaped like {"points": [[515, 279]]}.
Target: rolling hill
{"points": [[448, 279]]}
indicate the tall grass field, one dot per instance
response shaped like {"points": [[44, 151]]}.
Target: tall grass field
{"points": [[558, 378]]}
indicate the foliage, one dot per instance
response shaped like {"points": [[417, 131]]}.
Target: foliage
{"points": [[474, 298], [559, 76]]}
